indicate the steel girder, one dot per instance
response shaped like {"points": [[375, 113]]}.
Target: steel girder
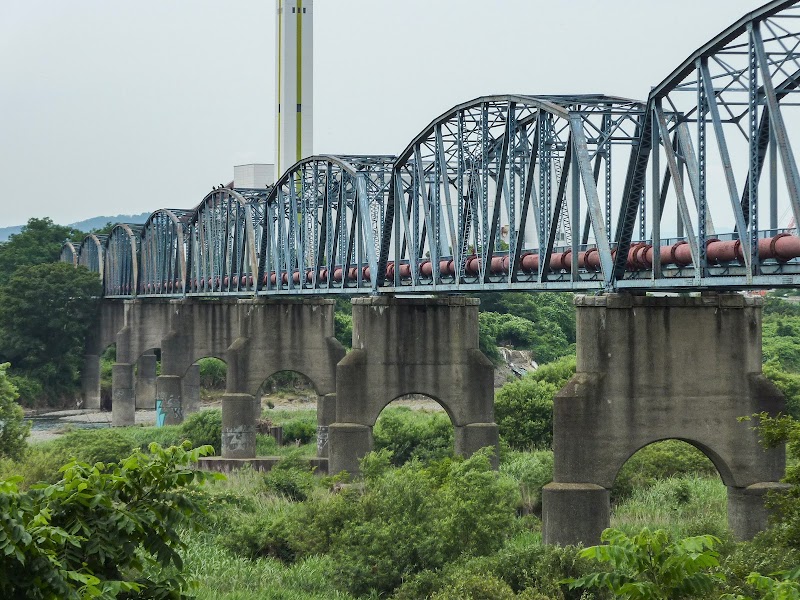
{"points": [[520, 192], [69, 254], [322, 225], [221, 244], [162, 265], [90, 253], [712, 126], [503, 191], [121, 258]]}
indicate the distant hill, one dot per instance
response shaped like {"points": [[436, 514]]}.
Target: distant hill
{"points": [[85, 225]]}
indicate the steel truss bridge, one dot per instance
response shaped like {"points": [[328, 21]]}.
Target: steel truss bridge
{"points": [[517, 192]]}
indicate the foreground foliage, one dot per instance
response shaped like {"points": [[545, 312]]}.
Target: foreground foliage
{"points": [[13, 429], [649, 566], [95, 531]]}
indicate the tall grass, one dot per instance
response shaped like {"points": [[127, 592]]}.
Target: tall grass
{"points": [[223, 575], [684, 506]]}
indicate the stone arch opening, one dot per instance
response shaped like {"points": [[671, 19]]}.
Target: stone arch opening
{"points": [[211, 374], [290, 409], [414, 426], [145, 374], [675, 484]]}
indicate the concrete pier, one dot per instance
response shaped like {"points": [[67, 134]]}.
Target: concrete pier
{"points": [[412, 346], [656, 368]]}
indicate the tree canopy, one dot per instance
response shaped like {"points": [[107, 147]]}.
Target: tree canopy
{"points": [[39, 242], [45, 313]]}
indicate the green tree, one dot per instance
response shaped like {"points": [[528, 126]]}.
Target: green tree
{"points": [[45, 314], [39, 242], [100, 528], [13, 429], [524, 408], [649, 566]]}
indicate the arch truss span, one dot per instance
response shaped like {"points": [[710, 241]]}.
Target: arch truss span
{"points": [[714, 191], [222, 243], [163, 253], [90, 253], [69, 253], [121, 258], [508, 192], [322, 226]]}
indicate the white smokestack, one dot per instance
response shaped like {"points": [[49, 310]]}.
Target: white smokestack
{"points": [[295, 82]]}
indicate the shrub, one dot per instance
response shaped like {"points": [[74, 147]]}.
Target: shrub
{"points": [[93, 533], [94, 445], [291, 477], [524, 413], [13, 428], [303, 429], [204, 428], [788, 383], [533, 470], [649, 566], [414, 518], [343, 326], [30, 391], [213, 373], [410, 434], [476, 587]]}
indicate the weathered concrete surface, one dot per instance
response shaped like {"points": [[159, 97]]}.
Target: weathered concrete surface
{"points": [[123, 407], [655, 368], [190, 392], [257, 338], [412, 346], [168, 399], [326, 416], [747, 513], [284, 335], [276, 335], [102, 335], [262, 464], [239, 426], [583, 512], [145, 383]]}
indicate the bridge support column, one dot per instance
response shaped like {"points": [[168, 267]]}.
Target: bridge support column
{"points": [[123, 407], [191, 390], [90, 381], [326, 416], [239, 414], [655, 368], [146, 381], [412, 346], [294, 334], [169, 402]]}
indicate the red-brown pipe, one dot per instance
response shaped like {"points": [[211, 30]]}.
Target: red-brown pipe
{"points": [[530, 263]]}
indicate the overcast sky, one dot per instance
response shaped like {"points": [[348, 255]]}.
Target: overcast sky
{"points": [[111, 107]]}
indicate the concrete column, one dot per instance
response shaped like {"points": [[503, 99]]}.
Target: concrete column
{"points": [[90, 381], [747, 513], [146, 381], [238, 426], [583, 512], [654, 368], [123, 407], [471, 438], [169, 402], [326, 415], [191, 390], [350, 442], [412, 346]]}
